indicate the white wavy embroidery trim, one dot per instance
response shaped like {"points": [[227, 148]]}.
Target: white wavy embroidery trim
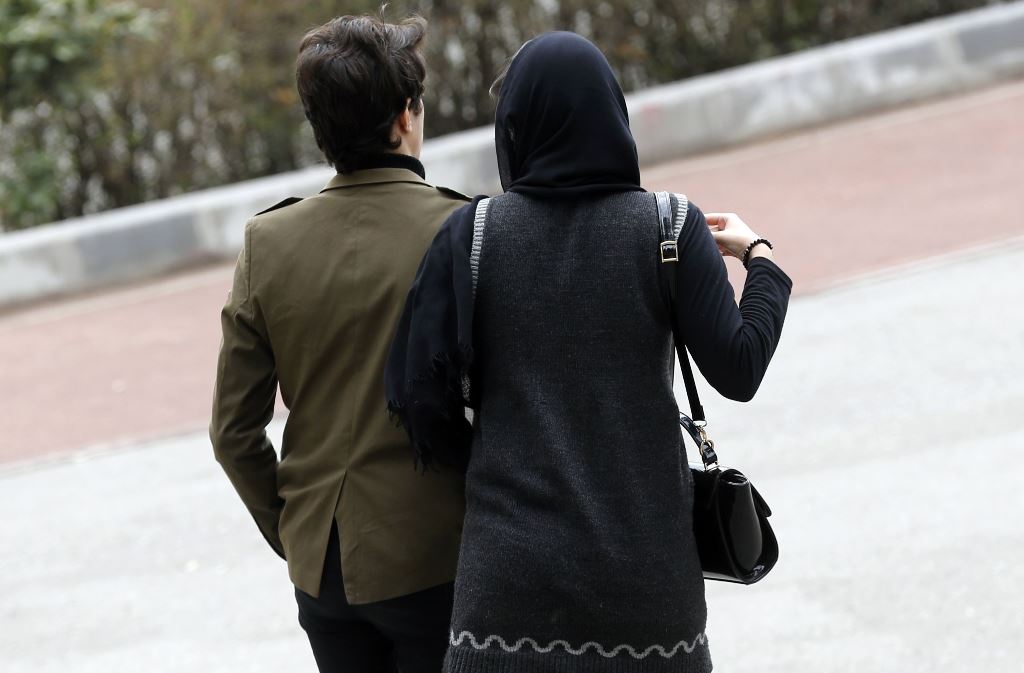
{"points": [[629, 649], [683, 206], [478, 240]]}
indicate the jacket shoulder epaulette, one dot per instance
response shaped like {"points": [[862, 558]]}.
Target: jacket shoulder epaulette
{"points": [[451, 192], [281, 204]]}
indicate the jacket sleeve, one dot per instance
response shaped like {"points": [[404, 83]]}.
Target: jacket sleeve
{"points": [[731, 345], [243, 404]]}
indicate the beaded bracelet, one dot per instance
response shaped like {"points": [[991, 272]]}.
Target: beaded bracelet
{"points": [[746, 253]]}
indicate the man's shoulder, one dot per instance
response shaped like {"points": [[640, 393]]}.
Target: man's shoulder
{"points": [[284, 203], [282, 211], [426, 203], [422, 195], [450, 193], [431, 203]]}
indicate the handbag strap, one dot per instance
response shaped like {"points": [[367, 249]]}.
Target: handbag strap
{"points": [[669, 247]]}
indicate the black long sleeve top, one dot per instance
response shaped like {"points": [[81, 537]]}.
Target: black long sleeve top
{"points": [[731, 345]]}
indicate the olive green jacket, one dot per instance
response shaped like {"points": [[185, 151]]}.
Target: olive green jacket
{"points": [[318, 288]]}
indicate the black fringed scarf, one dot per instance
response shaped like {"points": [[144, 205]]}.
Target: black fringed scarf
{"points": [[561, 131], [433, 348]]}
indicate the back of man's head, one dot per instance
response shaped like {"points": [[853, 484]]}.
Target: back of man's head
{"points": [[356, 75]]}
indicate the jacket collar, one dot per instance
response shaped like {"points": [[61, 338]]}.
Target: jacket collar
{"points": [[370, 176], [390, 160], [383, 167]]}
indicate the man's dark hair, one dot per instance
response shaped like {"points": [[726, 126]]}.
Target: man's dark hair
{"points": [[355, 75]]}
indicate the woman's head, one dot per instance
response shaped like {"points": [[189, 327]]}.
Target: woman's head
{"points": [[561, 126]]}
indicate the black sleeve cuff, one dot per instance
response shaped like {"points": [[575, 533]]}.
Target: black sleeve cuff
{"points": [[769, 266]]}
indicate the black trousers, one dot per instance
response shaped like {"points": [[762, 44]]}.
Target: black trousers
{"points": [[408, 634]]}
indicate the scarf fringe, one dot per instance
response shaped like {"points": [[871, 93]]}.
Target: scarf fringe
{"points": [[427, 456]]}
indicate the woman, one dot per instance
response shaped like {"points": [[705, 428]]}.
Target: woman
{"points": [[578, 552]]}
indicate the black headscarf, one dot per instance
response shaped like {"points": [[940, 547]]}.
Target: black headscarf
{"points": [[561, 128], [561, 131]]}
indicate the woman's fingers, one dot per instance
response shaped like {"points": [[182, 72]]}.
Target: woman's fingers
{"points": [[719, 221], [721, 242], [730, 242], [731, 233]]}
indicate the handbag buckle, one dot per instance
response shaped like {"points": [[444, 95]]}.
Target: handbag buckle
{"points": [[708, 456], [707, 447], [696, 431]]}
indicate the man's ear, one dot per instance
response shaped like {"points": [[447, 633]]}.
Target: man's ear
{"points": [[405, 118]]}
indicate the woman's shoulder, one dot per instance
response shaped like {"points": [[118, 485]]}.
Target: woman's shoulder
{"points": [[686, 215], [633, 209]]}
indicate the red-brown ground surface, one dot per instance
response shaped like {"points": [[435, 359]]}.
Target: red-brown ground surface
{"points": [[131, 363]]}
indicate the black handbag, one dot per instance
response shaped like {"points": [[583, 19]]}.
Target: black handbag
{"points": [[735, 541]]}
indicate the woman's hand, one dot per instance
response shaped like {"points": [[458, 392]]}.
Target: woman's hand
{"points": [[733, 236]]}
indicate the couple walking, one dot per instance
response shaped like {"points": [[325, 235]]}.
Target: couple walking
{"points": [[554, 531]]}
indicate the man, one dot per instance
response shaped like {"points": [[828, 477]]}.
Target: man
{"points": [[371, 544]]}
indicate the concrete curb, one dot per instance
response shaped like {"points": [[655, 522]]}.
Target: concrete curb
{"points": [[813, 87], [829, 83]]}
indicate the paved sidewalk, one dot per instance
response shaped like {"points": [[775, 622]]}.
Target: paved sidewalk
{"points": [[839, 201], [887, 437]]}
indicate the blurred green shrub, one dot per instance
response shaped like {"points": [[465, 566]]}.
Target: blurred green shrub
{"points": [[105, 104]]}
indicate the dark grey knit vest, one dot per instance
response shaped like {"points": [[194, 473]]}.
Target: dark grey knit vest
{"points": [[578, 552]]}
